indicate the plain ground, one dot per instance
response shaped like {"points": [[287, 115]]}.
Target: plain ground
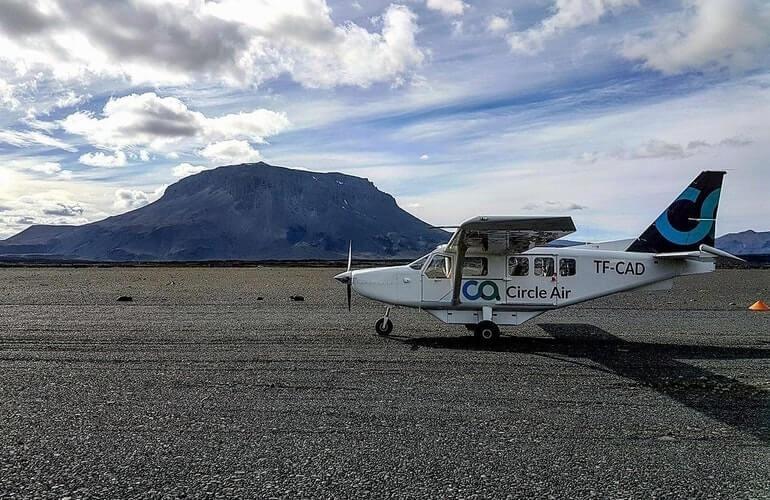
{"points": [[198, 388]]}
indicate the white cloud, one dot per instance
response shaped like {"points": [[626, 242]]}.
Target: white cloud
{"points": [[7, 95], [70, 98], [231, 152], [458, 28], [63, 209], [100, 159], [666, 150], [254, 125], [177, 41], [130, 199], [425, 157], [498, 24], [710, 34], [550, 206], [187, 169], [159, 123], [656, 148], [40, 167], [447, 7], [567, 15], [46, 207], [26, 138]]}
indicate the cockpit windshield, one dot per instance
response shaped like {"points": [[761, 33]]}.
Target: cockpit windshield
{"points": [[419, 262]]}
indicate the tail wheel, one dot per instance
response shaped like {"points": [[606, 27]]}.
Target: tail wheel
{"points": [[487, 332], [383, 326]]}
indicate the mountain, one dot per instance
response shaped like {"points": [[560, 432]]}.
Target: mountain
{"points": [[745, 243], [244, 212]]}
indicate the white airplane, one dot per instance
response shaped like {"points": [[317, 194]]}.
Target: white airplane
{"points": [[496, 270]]}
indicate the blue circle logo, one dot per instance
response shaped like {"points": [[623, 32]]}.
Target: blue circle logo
{"points": [[705, 225], [487, 290]]}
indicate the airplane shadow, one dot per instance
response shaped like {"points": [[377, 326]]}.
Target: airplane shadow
{"points": [[654, 365]]}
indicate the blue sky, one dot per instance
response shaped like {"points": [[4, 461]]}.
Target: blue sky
{"points": [[599, 109]]}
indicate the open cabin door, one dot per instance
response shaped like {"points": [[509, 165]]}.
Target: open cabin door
{"points": [[507, 236]]}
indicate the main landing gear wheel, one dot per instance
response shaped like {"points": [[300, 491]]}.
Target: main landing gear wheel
{"points": [[487, 332], [383, 326]]}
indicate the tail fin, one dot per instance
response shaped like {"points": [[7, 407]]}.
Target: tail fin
{"points": [[690, 221]]}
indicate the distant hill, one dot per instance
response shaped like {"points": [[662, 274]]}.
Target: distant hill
{"points": [[745, 243], [245, 212]]}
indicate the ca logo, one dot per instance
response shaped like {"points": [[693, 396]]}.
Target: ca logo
{"points": [[487, 290], [707, 213]]}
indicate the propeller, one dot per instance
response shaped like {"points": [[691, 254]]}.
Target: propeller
{"points": [[350, 280], [347, 277]]}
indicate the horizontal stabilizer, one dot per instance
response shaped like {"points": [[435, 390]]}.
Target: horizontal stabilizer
{"points": [[680, 255], [720, 253], [704, 252]]}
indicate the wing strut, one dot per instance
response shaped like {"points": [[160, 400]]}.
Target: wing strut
{"points": [[462, 247]]}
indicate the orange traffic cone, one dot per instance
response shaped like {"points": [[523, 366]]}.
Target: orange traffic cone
{"points": [[759, 306]]}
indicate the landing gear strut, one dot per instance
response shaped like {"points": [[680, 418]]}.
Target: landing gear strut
{"points": [[487, 332], [384, 325]]}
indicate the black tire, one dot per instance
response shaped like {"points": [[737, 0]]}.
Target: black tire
{"points": [[383, 327], [487, 332]]}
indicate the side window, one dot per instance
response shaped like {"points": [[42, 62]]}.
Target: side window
{"points": [[544, 266], [475, 266], [518, 266], [567, 267], [439, 267]]}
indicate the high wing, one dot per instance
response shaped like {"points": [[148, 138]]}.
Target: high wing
{"points": [[503, 235]]}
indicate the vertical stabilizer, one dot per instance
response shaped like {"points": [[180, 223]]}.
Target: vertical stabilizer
{"points": [[690, 221]]}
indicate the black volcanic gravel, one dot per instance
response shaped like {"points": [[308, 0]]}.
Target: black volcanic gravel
{"points": [[198, 389]]}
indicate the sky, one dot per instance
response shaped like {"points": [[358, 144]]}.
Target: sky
{"points": [[603, 110]]}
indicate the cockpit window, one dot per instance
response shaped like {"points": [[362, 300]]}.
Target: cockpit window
{"points": [[439, 268], [419, 262]]}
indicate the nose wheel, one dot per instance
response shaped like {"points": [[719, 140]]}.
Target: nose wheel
{"points": [[384, 325], [487, 332]]}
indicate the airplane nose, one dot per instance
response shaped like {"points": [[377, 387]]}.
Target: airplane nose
{"points": [[344, 277]]}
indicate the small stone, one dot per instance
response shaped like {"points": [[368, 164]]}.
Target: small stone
{"points": [[260, 298], [297, 298], [125, 298]]}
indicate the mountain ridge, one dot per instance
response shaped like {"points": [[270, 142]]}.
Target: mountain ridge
{"points": [[244, 212], [748, 242]]}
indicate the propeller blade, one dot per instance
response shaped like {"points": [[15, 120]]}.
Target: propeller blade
{"points": [[350, 293], [350, 254]]}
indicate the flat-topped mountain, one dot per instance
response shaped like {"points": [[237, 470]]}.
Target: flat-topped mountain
{"points": [[244, 212]]}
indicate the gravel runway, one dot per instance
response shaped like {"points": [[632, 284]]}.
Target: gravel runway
{"points": [[198, 389]]}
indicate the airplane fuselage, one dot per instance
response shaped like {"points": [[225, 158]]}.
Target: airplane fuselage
{"points": [[518, 287]]}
